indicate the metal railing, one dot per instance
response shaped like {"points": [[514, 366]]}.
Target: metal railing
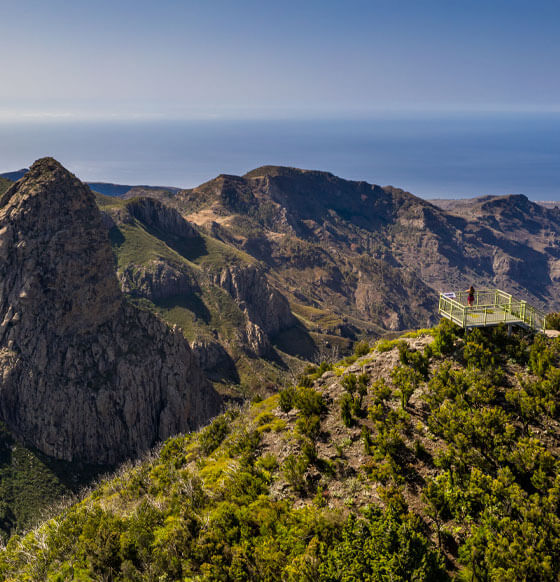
{"points": [[490, 307]]}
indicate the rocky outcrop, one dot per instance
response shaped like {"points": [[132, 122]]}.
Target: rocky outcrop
{"points": [[265, 307], [83, 375], [157, 280], [213, 358], [255, 339], [155, 215]]}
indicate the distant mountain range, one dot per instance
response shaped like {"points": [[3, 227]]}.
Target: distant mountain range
{"points": [[101, 187], [265, 271]]}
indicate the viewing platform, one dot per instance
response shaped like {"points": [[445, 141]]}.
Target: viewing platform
{"points": [[490, 307]]}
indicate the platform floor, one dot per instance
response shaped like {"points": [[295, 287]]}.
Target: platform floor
{"points": [[481, 317]]}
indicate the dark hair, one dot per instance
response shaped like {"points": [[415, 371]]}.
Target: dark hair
{"points": [[471, 290]]}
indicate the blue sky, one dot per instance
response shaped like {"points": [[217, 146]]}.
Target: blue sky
{"points": [[245, 59]]}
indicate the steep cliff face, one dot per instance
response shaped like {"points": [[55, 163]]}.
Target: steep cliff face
{"points": [[83, 375], [157, 280], [156, 215], [264, 306]]}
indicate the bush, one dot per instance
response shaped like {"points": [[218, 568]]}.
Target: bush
{"points": [[309, 401], [541, 356], [361, 348], [444, 338], [287, 397], [294, 469], [346, 404], [385, 345], [214, 434], [309, 426], [350, 383], [406, 379], [553, 321], [305, 381]]}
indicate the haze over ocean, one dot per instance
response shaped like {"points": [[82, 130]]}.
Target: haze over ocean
{"points": [[429, 155]]}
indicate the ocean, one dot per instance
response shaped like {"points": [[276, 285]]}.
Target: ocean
{"points": [[433, 156]]}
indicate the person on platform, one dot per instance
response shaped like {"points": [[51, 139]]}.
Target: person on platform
{"points": [[470, 296]]}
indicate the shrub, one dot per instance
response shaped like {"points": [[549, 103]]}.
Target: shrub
{"points": [[477, 355], [309, 401], [361, 348], [541, 356], [346, 404], [385, 345], [305, 381], [444, 338], [406, 379], [309, 426], [350, 383], [553, 320], [287, 397], [363, 380], [294, 468], [214, 434]]}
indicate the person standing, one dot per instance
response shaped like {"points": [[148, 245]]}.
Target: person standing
{"points": [[470, 296]]}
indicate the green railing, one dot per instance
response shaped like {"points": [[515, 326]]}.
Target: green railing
{"points": [[490, 307]]}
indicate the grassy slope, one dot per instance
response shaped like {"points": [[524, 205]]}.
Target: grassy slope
{"points": [[206, 312], [467, 461]]}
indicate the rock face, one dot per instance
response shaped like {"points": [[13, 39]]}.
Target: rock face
{"points": [[157, 280], [265, 307], [156, 215], [267, 310], [83, 375]]}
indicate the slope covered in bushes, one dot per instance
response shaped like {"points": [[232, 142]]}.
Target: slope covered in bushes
{"points": [[424, 458]]}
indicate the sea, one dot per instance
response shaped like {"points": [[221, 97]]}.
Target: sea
{"points": [[431, 155]]}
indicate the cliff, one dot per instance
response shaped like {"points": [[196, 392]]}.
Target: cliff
{"points": [[84, 375]]}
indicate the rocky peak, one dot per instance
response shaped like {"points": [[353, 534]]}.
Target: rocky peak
{"points": [[52, 234], [83, 375]]}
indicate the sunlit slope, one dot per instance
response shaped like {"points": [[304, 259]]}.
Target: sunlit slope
{"points": [[421, 458]]}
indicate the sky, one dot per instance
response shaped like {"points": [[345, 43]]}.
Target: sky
{"points": [[238, 59]]}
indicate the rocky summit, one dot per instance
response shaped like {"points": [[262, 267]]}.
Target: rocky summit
{"points": [[84, 375]]}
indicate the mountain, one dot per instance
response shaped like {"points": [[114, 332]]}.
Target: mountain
{"points": [[341, 260], [124, 191], [14, 176], [106, 188], [86, 375], [433, 457], [377, 254], [219, 296]]}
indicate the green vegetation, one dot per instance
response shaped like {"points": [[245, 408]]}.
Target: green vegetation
{"points": [[4, 185], [30, 483], [553, 321], [208, 313], [440, 458]]}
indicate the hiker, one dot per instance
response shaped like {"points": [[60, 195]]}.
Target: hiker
{"points": [[470, 296]]}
